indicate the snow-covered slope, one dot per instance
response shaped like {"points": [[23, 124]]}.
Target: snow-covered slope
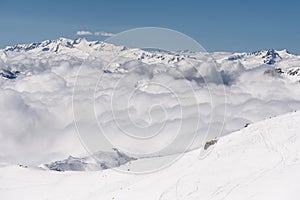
{"points": [[259, 162]]}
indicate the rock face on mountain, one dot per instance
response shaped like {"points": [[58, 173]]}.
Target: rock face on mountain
{"points": [[9, 74], [271, 57]]}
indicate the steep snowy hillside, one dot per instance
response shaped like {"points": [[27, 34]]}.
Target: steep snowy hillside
{"points": [[258, 162]]}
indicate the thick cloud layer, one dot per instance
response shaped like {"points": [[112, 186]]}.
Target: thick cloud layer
{"points": [[163, 101]]}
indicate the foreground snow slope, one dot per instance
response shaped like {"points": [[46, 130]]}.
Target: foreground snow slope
{"points": [[258, 162]]}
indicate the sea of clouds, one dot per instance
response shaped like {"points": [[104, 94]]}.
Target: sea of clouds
{"points": [[59, 103]]}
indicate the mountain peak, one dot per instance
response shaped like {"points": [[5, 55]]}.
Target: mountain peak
{"points": [[271, 57]]}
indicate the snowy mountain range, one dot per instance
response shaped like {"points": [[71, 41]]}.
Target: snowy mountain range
{"points": [[237, 108], [80, 49]]}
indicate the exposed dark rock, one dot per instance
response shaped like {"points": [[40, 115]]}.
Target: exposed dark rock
{"points": [[210, 143], [8, 74], [271, 57]]}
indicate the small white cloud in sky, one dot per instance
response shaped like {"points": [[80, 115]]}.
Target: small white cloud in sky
{"points": [[105, 34], [84, 33], [98, 33]]}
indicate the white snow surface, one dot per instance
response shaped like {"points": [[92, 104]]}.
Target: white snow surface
{"points": [[259, 162]]}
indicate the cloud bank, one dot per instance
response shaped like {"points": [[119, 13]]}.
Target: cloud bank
{"points": [[98, 33], [83, 33], [141, 93], [105, 34]]}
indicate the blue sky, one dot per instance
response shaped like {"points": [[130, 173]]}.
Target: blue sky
{"points": [[218, 25]]}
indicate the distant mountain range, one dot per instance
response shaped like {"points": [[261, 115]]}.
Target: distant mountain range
{"points": [[80, 49]]}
